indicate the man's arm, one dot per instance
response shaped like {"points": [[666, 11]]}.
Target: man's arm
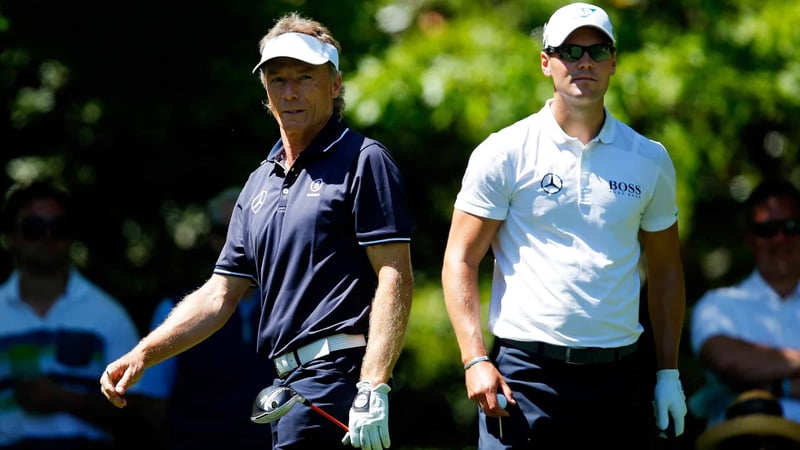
{"points": [[368, 425], [391, 308], [469, 241], [666, 293], [44, 396], [746, 364], [195, 318]]}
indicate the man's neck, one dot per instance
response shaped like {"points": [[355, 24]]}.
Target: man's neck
{"points": [[296, 140], [41, 291], [583, 122], [783, 287]]}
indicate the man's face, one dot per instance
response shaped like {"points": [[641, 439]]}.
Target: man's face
{"points": [[585, 78], [300, 95], [776, 251], [40, 241]]}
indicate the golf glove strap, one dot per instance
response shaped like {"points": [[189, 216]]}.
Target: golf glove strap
{"points": [[669, 401], [369, 417]]}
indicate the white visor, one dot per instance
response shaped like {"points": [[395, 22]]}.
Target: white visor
{"points": [[299, 46]]}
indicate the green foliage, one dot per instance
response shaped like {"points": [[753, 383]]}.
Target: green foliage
{"points": [[429, 323], [149, 110], [714, 82]]}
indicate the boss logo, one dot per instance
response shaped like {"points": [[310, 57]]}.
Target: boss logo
{"points": [[622, 187]]}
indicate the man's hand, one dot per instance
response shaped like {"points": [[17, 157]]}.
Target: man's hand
{"points": [[670, 402], [369, 418], [119, 376]]}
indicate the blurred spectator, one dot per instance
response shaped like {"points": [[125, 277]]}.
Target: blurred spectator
{"points": [[58, 331], [754, 421], [209, 389], [748, 335]]}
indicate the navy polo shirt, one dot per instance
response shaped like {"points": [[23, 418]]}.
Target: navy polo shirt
{"points": [[301, 234]]}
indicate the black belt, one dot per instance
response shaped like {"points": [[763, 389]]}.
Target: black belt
{"points": [[573, 355]]}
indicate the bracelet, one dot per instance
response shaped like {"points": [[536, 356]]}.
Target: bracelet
{"points": [[474, 361]]}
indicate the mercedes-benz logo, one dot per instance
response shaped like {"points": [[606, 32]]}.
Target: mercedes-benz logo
{"points": [[551, 183], [258, 201]]}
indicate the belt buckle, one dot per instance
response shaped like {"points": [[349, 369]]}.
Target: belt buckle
{"points": [[571, 355], [285, 364]]}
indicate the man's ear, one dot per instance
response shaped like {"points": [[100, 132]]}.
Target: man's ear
{"points": [[336, 86], [545, 63]]}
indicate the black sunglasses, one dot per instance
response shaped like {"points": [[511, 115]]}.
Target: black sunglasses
{"points": [[789, 227], [35, 228], [572, 53]]}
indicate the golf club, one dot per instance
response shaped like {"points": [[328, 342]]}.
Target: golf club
{"points": [[670, 432], [502, 402], [274, 402]]}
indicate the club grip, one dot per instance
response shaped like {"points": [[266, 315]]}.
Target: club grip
{"points": [[670, 431]]}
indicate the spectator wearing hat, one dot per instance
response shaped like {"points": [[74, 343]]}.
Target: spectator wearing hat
{"points": [[753, 421]]}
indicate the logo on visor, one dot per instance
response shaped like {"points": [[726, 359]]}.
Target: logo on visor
{"points": [[551, 183]]}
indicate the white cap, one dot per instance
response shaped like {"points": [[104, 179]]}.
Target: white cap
{"points": [[571, 17], [299, 46]]}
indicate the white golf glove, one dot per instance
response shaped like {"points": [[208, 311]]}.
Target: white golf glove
{"points": [[369, 417], [669, 401]]}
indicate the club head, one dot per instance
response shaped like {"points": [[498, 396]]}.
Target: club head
{"points": [[272, 403]]}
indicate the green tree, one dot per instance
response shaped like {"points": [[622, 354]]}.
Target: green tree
{"points": [[147, 109]]}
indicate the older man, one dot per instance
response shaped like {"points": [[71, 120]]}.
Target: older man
{"points": [[323, 228]]}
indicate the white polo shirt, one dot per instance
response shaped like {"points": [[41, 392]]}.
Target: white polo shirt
{"points": [[566, 254], [751, 311]]}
